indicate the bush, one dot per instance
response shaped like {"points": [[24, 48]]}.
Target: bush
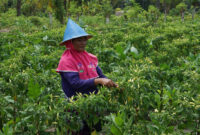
{"points": [[174, 11], [118, 9], [35, 20]]}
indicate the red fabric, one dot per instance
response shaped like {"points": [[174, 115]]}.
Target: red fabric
{"points": [[82, 62]]}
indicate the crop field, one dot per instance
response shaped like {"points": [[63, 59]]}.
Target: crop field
{"points": [[156, 65]]}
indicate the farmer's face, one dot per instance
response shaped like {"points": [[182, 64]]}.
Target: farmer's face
{"points": [[80, 43]]}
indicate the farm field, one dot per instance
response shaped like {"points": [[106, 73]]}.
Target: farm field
{"points": [[156, 65]]}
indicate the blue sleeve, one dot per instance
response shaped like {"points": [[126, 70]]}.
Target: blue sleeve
{"points": [[100, 73], [77, 83]]}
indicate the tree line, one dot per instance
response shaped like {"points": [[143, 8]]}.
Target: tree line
{"points": [[61, 8]]}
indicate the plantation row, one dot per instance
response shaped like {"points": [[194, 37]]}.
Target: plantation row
{"points": [[155, 65]]}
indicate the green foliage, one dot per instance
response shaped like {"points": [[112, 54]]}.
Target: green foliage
{"points": [[90, 109], [107, 8], [74, 10], [34, 89], [35, 20], [155, 65], [153, 14], [3, 6], [91, 7], [181, 7], [29, 7], [174, 12], [7, 130], [59, 10], [119, 123], [132, 13]]}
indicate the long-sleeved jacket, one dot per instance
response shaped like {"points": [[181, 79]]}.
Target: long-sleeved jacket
{"points": [[72, 84]]}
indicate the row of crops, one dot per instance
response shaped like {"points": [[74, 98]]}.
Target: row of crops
{"points": [[155, 65]]}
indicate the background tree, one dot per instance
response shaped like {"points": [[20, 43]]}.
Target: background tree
{"points": [[153, 14], [6, 4], [166, 4], [30, 7], [181, 8], [11, 3], [107, 9], [156, 3], [65, 4], [195, 4], [94, 7], [133, 10], [19, 7], [59, 10], [68, 6], [75, 10], [144, 3], [118, 3], [50, 11], [3, 6]]}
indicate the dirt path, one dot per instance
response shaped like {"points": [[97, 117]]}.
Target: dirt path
{"points": [[4, 30]]}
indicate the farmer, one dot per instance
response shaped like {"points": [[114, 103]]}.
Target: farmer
{"points": [[79, 69]]}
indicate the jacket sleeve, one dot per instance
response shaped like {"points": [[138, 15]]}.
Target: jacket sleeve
{"points": [[76, 83], [100, 73]]}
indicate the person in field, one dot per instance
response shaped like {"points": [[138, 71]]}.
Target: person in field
{"points": [[79, 69]]}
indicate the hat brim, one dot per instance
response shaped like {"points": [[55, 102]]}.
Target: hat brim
{"points": [[63, 42]]}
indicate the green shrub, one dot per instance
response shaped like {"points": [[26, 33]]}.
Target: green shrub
{"points": [[35, 20]]}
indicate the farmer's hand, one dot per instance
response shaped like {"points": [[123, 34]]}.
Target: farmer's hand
{"points": [[105, 82]]}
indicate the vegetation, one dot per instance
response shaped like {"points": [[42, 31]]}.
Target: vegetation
{"points": [[155, 63]]}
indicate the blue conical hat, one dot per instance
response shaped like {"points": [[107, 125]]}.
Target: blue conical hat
{"points": [[72, 31]]}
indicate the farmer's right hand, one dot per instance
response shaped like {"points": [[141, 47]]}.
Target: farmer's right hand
{"points": [[105, 82]]}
